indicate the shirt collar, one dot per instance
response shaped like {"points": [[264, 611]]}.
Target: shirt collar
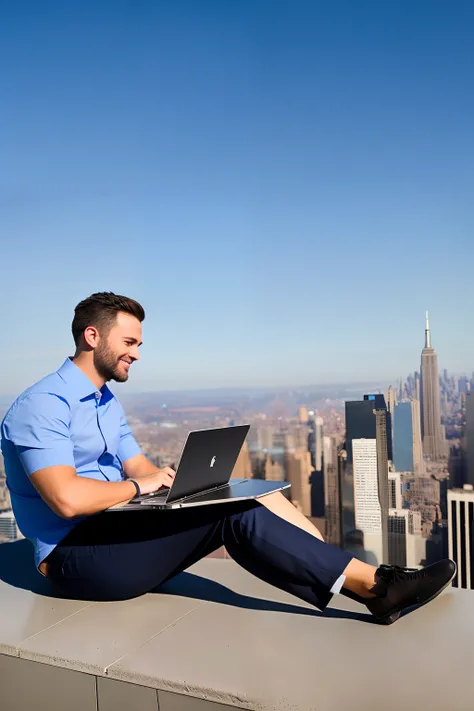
{"points": [[79, 383]]}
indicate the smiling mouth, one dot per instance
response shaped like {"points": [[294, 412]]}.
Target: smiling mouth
{"points": [[125, 363]]}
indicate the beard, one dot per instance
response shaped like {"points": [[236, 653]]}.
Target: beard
{"points": [[107, 364]]}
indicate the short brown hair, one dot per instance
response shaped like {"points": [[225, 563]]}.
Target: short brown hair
{"points": [[100, 310]]}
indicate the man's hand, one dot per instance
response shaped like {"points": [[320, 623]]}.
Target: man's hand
{"points": [[150, 483], [140, 466]]}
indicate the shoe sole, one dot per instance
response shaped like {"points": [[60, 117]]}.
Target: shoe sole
{"points": [[395, 614]]}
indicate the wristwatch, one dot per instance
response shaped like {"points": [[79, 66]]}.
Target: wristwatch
{"points": [[138, 492]]}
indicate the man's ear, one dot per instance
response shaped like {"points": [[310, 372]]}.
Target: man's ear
{"points": [[91, 337]]}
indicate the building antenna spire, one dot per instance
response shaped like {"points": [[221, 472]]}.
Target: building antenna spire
{"points": [[427, 332]]}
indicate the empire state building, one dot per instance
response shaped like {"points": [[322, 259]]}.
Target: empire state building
{"points": [[434, 445]]}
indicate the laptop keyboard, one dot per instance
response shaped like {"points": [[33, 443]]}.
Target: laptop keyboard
{"points": [[157, 499], [162, 496]]}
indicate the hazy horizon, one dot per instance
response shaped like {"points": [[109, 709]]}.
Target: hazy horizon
{"points": [[128, 390]]}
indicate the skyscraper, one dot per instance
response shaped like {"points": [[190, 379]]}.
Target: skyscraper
{"points": [[418, 461], [368, 512], [315, 447], [404, 538], [303, 414], [366, 473], [263, 437], [417, 387], [273, 470], [379, 403], [434, 445], [315, 441], [360, 424], [403, 438], [279, 450], [243, 466], [384, 446], [461, 535], [394, 491], [298, 467], [391, 400], [274, 466], [8, 527], [469, 439], [407, 452], [332, 492]]}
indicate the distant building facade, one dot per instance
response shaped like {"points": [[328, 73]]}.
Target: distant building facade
{"points": [[332, 491], [469, 440], [9, 530], [315, 441], [407, 447], [360, 424], [368, 508], [461, 535], [395, 500], [303, 415], [5, 503], [298, 467], [315, 447], [243, 466], [406, 546]]}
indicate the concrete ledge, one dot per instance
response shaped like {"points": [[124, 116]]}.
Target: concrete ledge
{"points": [[215, 637]]}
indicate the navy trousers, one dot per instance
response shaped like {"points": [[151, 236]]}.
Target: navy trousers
{"points": [[117, 555]]}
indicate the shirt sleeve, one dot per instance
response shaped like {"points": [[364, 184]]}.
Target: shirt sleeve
{"points": [[39, 429], [128, 446]]}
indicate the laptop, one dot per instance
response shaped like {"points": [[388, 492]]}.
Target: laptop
{"points": [[204, 473]]}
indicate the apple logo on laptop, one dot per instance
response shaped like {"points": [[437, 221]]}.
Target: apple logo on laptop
{"points": [[213, 461]]}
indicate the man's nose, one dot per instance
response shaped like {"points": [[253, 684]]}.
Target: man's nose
{"points": [[135, 353]]}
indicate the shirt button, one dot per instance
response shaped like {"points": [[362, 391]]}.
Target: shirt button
{"points": [[97, 396]]}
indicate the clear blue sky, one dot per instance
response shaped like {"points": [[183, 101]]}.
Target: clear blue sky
{"points": [[286, 186]]}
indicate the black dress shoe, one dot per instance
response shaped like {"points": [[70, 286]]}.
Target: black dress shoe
{"points": [[398, 589]]}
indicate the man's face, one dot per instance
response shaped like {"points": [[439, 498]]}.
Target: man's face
{"points": [[115, 353]]}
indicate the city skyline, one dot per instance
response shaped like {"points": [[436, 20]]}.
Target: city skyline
{"points": [[238, 169]]}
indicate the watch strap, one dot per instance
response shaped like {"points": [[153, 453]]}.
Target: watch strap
{"points": [[137, 487]]}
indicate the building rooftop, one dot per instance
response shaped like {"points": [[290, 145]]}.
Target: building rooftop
{"points": [[215, 637]]}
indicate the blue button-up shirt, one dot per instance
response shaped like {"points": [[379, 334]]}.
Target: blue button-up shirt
{"points": [[61, 420]]}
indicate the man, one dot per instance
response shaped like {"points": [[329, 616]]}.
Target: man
{"points": [[69, 455]]}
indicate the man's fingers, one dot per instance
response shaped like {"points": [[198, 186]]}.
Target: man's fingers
{"points": [[169, 471], [167, 479], [165, 482]]}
